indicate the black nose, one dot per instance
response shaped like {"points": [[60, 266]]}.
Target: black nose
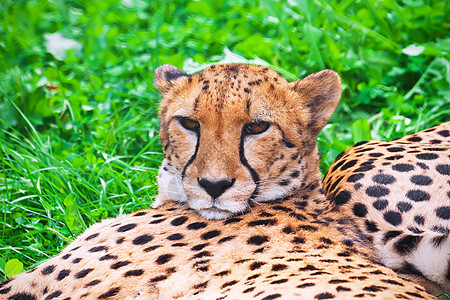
{"points": [[215, 188]]}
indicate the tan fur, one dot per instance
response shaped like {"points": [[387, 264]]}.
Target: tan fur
{"points": [[290, 248]]}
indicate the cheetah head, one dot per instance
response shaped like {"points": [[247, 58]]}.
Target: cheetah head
{"points": [[234, 135]]}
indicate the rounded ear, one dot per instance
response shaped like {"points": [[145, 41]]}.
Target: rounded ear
{"points": [[320, 93], [166, 76]]}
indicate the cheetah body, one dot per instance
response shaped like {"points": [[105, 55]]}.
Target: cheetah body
{"points": [[399, 194], [240, 148]]}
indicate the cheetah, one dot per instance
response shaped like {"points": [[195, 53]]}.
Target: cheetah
{"points": [[399, 194], [241, 210]]}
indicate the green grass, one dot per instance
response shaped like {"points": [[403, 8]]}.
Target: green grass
{"points": [[78, 133]]}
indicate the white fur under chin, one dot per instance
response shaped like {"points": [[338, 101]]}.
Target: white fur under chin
{"points": [[170, 185], [214, 214]]}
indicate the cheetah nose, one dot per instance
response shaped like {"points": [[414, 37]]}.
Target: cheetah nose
{"points": [[215, 188]]}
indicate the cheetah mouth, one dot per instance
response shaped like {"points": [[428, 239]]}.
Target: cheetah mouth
{"points": [[215, 213]]}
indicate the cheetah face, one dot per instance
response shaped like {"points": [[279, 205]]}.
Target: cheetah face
{"points": [[235, 134]]}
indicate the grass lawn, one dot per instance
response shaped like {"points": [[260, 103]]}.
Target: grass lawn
{"points": [[78, 123]]}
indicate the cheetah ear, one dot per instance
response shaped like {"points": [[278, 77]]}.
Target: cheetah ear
{"points": [[166, 76], [320, 93]]}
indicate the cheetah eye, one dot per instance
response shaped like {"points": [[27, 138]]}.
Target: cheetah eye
{"points": [[189, 123], [256, 127]]}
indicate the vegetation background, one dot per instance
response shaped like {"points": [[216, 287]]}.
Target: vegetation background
{"points": [[78, 112]]}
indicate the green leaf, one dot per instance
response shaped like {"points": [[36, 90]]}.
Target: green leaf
{"points": [[13, 267], [73, 217]]}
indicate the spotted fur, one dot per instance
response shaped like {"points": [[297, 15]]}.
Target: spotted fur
{"points": [[399, 192], [275, 235]]}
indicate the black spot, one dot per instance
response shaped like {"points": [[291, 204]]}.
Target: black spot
{"points": [[390, 235], [247, 90], [418, 195], [380, 204], [295, 174], [393, 282], [404, 206], [92, 283], [162, 259], [5, 290], [371, 226], [179, 221], [83, 273], [264, 222], [437, 241], [302, 286], [374, 288], [375, 154], [408, 268], [126, 227], [342, 197], [308, 268], [108, 257], [226, 239], [407, 243], [158, 278], [143, 239], [140, 213], [444, 133], [175, 237], [342, 289], [256, 265], [422, 166], [248, 290], [76, 260], [223, 273], [427, 156], [210, 234], [307, 227], [355, 177], [63, 274], [270, 297], [394, 157], [383, 179], [393, 217], [53, 295], [120, 240], [196, 226], [257, 240], [284, 182], [287, 230], [349, 164], [443, 169], [137, 272], [230, 283], [298, 240], [253, 276], [202, 254], [66, 256], [48, 270], [443, 212], [199, 247], [414, 139], [157, 221], [419, 220], [421, 180], [110, 293], [279, 281], [365, 168], [324, 296], [278, 267], [403, 167], [98, 249], [360, 210], [120, 264], [92, 236], [377, 191]]}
